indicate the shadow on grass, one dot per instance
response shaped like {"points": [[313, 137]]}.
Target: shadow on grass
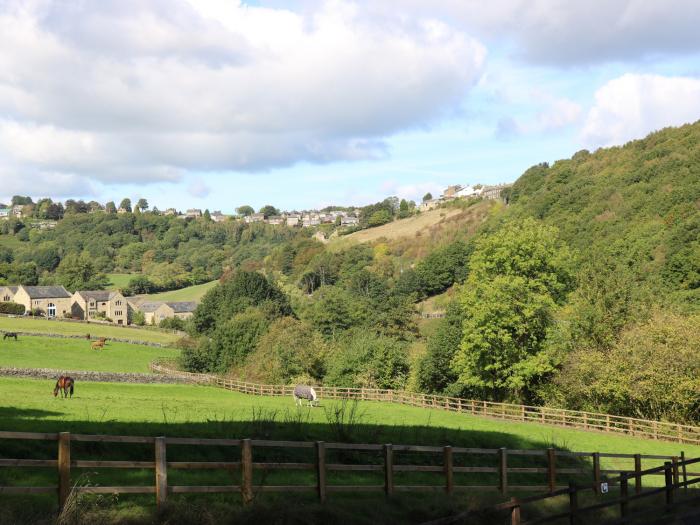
{"points": [[12, 413], [344, 423]]}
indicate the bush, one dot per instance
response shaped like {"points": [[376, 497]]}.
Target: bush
{"points": [[364, 359], [173, 323], [138, 318], [12, 308], [290, 351]]}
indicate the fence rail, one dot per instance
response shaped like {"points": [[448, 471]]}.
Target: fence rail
{"points": [[644, 428], [386, 457]]}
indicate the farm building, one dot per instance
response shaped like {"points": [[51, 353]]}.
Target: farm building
{"points": [[53, 301], [155, 311], [7, 293], [90, 305]]}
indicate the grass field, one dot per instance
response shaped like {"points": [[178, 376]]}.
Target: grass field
{"points": [[76, 354], [118, 281], [191, 293], [197, 411], [56, 326]]}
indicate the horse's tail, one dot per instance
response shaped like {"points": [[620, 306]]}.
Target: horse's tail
{"points": [[72, 384]]}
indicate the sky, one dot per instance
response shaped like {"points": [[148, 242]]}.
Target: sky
{"points": [[215, 104]]}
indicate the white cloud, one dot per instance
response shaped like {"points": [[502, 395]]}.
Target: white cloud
{"points": [[129, 90], [554, 114], [566, 32], [411, 191], [632, 106]]}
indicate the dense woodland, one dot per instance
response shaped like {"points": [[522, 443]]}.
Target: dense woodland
{"points": [[582, 292]]}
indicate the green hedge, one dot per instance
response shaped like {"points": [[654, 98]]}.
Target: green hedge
{"points": [[11, 308]]}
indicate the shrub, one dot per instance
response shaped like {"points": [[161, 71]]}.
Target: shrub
{"points": [[173, 323], [12, 308]]}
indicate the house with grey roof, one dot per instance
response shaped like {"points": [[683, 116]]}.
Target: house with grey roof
{"points": [[52, 301], [100, 304], [156, 311]]}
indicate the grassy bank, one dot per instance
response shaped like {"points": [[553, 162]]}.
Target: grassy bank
{"points": [[76, 354], [191, 293], [56, 326]]}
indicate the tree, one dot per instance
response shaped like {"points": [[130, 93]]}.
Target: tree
{"points": [[378, 218], [404, 210], [427, 197], [234, 339], [142, 205], [518, 276], [207, 215], [435, 373], [77, 272], [18, 200], [245, 211], [268, 210], [110, 207], [125, 205]]}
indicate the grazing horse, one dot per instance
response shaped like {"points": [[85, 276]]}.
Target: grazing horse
{"points": [[97, 344], [302, 392], [9, 335], [66, 384]]}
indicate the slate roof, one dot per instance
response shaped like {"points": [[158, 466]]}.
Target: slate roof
{"points": [[183, 307], [150, 306], [47, 292], [97, 295]]}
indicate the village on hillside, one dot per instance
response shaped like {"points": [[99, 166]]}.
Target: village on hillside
{"points": [[46, 212]]}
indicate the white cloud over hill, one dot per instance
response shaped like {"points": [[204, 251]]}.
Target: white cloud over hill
{"points": [[146, 90], [632, 106]]}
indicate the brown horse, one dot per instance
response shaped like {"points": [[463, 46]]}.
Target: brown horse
{"points": [[97, 344], [66, 384]]}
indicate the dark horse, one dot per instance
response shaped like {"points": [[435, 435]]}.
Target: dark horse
{"points": [[66, 384], [7, 335]]}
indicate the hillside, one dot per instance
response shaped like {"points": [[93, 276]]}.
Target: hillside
{"points": [[639, 203]]}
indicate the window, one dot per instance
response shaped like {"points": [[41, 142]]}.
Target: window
{"points": [[6, 298], [51, 310]]}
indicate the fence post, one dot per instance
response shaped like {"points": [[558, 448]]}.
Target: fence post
{"points": [[449, 474], [63, 468], [668, 478], [596, 472], [573, 503], [623, 494], [685, 472], [551, 469], [321, 470], [161, 473], [388, 470], [514, 512], [637, 470], [503, 470], [246, 471], [676, 471]]}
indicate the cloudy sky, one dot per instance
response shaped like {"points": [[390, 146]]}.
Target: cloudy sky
{"points": [[219, 103]]}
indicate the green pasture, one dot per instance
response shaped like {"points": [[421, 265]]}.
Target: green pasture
{"points": [[55, 326], [213, 412], [76, 354], [119, 281], [191, 293], [198, 411]]}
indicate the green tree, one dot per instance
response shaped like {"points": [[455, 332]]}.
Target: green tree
{"points": [[378, 218], [404, 209], [142, 205], [234, 339], [125, 205], [110, 207], [435, 373], [245, 211], [517, 277], [77, 272], [427, 197], [207, 215], [268, 210]]}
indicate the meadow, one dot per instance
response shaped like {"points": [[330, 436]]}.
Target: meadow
{"points": [[76, 354], [200, 411], [119, 281], [55, 326], [190, 293]]}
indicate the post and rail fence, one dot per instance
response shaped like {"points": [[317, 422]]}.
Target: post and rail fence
{"points": [[575, 513], [644, 428], [320, 458]]}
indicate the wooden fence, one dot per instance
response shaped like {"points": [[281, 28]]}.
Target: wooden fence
{"points": [[644, 428], [444, 462], [622, 500]]}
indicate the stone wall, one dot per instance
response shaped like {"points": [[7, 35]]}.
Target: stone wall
{"points": [[92, 337], [83, 375]]}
